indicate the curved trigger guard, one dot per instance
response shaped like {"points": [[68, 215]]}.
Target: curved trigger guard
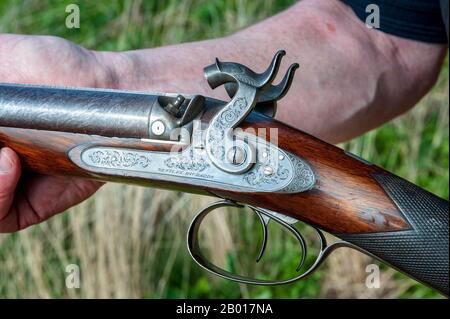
{"points": [[264, 216]]}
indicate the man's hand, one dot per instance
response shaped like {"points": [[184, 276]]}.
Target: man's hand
{"points": [[27, 199]]}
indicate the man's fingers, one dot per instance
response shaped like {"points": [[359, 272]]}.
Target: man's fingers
{"points": [[9, 176]]}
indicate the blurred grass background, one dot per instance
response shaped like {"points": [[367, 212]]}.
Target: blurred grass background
{"points": [[130, 241]]}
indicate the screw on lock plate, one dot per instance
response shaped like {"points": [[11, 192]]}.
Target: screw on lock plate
{"points": [[236, 155]]}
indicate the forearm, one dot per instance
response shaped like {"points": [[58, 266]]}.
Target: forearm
{"points": [[351, 79]]}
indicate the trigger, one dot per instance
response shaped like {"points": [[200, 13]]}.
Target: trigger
{"points": [[265, 216], [264, 221]]}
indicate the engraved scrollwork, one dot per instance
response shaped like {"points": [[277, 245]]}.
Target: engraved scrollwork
{"points": [[275, 170], [187, 163], [258, 176], [267, 170], [240, 103], [303, 179], [118, 159], [224, 123], [229, 116]]}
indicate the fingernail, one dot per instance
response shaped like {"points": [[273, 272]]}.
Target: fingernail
{"points": [[5, 161]]}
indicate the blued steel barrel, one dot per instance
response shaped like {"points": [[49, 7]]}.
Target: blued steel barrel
{"points": [[85, 111]]}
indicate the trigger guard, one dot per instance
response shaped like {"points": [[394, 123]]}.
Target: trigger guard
{"points": [[196, 254]]}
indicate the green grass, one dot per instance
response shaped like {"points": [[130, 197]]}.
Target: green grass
{"points": [[130, 242]]}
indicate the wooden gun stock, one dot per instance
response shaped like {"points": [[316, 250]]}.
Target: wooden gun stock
{"points": [[386, 216]]}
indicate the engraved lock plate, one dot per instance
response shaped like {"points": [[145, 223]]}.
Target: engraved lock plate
{"points": [[274, 170]]}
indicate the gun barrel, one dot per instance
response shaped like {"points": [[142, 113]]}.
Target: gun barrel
{"points": [[76, 110]]}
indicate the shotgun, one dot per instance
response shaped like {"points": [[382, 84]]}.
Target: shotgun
{"points": [[206, 146]]}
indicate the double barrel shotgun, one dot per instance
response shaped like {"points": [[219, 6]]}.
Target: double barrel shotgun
{"points": [[206, 146]]}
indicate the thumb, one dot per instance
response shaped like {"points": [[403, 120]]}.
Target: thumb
{"points": [[9, 176]]}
